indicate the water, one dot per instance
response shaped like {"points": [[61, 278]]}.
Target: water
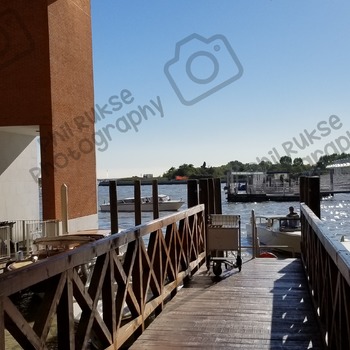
{"points": [[335, 211]]}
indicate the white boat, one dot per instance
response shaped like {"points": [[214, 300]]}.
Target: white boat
{"points": [[345, 242], [165, 203], [277, 232]]}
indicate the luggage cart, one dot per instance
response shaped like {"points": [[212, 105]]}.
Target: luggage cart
{"points": [[224, 234]]}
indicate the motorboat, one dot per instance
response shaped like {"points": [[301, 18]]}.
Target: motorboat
{"points": [[165, 203], [278, 232], [345, 241]]}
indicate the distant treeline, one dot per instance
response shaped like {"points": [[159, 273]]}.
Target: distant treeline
{"points": [[295, 167]]}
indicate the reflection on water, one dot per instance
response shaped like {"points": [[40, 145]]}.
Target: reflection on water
{"points": [[335, 211]]}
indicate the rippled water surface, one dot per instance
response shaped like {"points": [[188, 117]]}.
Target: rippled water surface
{"points": [[335, 211]]}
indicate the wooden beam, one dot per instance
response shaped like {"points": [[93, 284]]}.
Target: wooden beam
{"points": [[155, 273], [113, 206], [137, 202], [155, 199], [192, 193]]}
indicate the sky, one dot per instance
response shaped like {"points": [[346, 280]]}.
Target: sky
{"points": [[199, 81]]}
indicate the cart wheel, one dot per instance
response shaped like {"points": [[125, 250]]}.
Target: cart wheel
{"points": [[217, 269]]}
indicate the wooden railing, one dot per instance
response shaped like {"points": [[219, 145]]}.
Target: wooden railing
{"points": [[327, 265], [113, 303]]}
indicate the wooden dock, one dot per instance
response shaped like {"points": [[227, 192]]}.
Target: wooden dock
{"points": [[268, 305], [265, 306]]}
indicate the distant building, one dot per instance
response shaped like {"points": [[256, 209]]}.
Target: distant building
{"points": [[277, 177], [258, 184], [340, 166], [245, 181]]}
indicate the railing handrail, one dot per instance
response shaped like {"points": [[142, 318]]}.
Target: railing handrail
{"points": [[142, 279], [78, 256], [335, 249], [327, 266]]}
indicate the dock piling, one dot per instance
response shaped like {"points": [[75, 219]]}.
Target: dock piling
{"points": [[113, 206]]}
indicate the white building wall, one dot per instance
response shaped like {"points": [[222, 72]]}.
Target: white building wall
{"points": [[18, 191], [83, 223], [342, 170]]}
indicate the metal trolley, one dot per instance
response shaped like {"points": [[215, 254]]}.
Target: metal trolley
{"points": [[224, 235]]}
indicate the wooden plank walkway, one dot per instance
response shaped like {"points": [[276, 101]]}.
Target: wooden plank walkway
{"points": [[265, 306]]}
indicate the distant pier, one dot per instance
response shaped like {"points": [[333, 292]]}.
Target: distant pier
{"points": [[259, 187], [265, 197], [167, 298], [144, 181]]}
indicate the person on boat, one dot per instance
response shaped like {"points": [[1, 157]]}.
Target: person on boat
{"points": [[294, 218]]}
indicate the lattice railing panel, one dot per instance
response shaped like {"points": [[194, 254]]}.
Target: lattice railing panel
{"points": [[327, 265], [92, 294]]}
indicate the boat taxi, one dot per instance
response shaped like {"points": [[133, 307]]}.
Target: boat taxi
{"points": [[165, 203], [277, 231]]}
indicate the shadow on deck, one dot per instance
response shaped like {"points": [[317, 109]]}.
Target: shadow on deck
{"points": [[265, 306]]}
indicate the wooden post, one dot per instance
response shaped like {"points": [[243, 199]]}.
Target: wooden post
{"points": [[310, 193], [331, 180], [314, 200], [211, 197], [218, 200], [137, 202], [155, 199], [204, 197], [192, 193], [64, 208], [303, 192], [113, 209], [212, 203], [255, 239], [303, 189]]}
